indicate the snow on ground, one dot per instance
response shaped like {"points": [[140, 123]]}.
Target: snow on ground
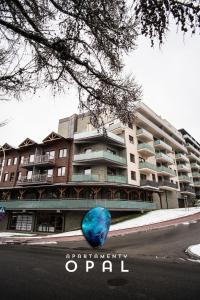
{"points": [[194, 249], [147, 219], [9, 234]]}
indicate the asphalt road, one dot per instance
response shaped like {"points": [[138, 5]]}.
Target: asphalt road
{"points": [[158, 269]]}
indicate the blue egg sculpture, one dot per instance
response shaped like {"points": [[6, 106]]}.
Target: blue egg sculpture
{"points": [[95, 226]]}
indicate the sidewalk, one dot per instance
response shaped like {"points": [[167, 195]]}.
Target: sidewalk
{"points": [[115, 233]]}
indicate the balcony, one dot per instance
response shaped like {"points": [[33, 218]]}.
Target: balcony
{"points": [[144, 135], [147, 167], [85, 178], [165, 171], [146, 149], [162, 146], [183, 167], [35, 179], [77, 204], [162, 157], [182, 157], [193, 157], [116, 179], [187, 190], [184, 178], [117, 128], [192, 148], [39, 160], [195, 166], [99, 156], [149, 184], [167, 185], [196, 175], [197, 183], [95, 135]]}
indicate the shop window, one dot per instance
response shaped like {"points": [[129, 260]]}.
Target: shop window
{"points": [[49, 223]]}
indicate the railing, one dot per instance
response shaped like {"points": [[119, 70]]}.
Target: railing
{"points": [[195, 165], [100, 155], [145, 146], [38, 159], [39, 178], [118, 125], [184, 177], [145, 132], [188, 189], [119, 179], [188, 145], [147, 165], [77, 204], [165, 145], [83, 177], [180, 155], [182, 166], [166, 157], [95, 133], [162, 169], [196, 183], [195, 174], [149, 183], [168, 184]]}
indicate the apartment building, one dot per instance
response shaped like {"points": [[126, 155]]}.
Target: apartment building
{"points": [[149, 155], [193, 156], [146, 165]]}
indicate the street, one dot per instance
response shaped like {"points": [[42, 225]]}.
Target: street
{"points": [[158, 268]]}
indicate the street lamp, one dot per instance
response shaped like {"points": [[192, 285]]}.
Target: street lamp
{"points": [[3, 162]]}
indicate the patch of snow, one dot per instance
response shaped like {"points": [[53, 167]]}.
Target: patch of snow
{"points": [[194, 249], [9, 234], [42, 243], [185, 223]]}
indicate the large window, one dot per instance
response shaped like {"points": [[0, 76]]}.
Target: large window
{"points": [[12, 176], [61, 171], [50, 173], [87, 171], [49, 223], [62, 152], [133, 175], [14, 160], [31, 158], [8, 161], [29, 174], [131, 139], [22, 160], [51, 154], [5, 178], [132, 158]]}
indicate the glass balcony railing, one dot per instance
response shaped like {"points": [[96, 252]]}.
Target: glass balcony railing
{"points": [[143, 132], [195, 166], [163, 169], [35, 179], [182, 157], [38, 160], [184, 178], [197, 183], [147, 165], [145, 147], [183, 167], [196, 174], [165, 157], [96, 155], [116, 179], [162, 145], [95, 133], [83, 177]]}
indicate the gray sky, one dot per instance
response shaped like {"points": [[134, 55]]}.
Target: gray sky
{"points": [[169, 78]]}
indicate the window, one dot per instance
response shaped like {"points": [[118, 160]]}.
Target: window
{"points": [[131, 139], [62, 152], [143, 177], [5, 178], [19, 175], [133, 175], [14, 160], [22, 160], [50, 173], [51, 154], [31, 158], [29, 174], [8, 161], [132, 158], [130, 125], [12, 176], [111, 172], [154, 177], [88, 150], [61, 171], [87, 171]]}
